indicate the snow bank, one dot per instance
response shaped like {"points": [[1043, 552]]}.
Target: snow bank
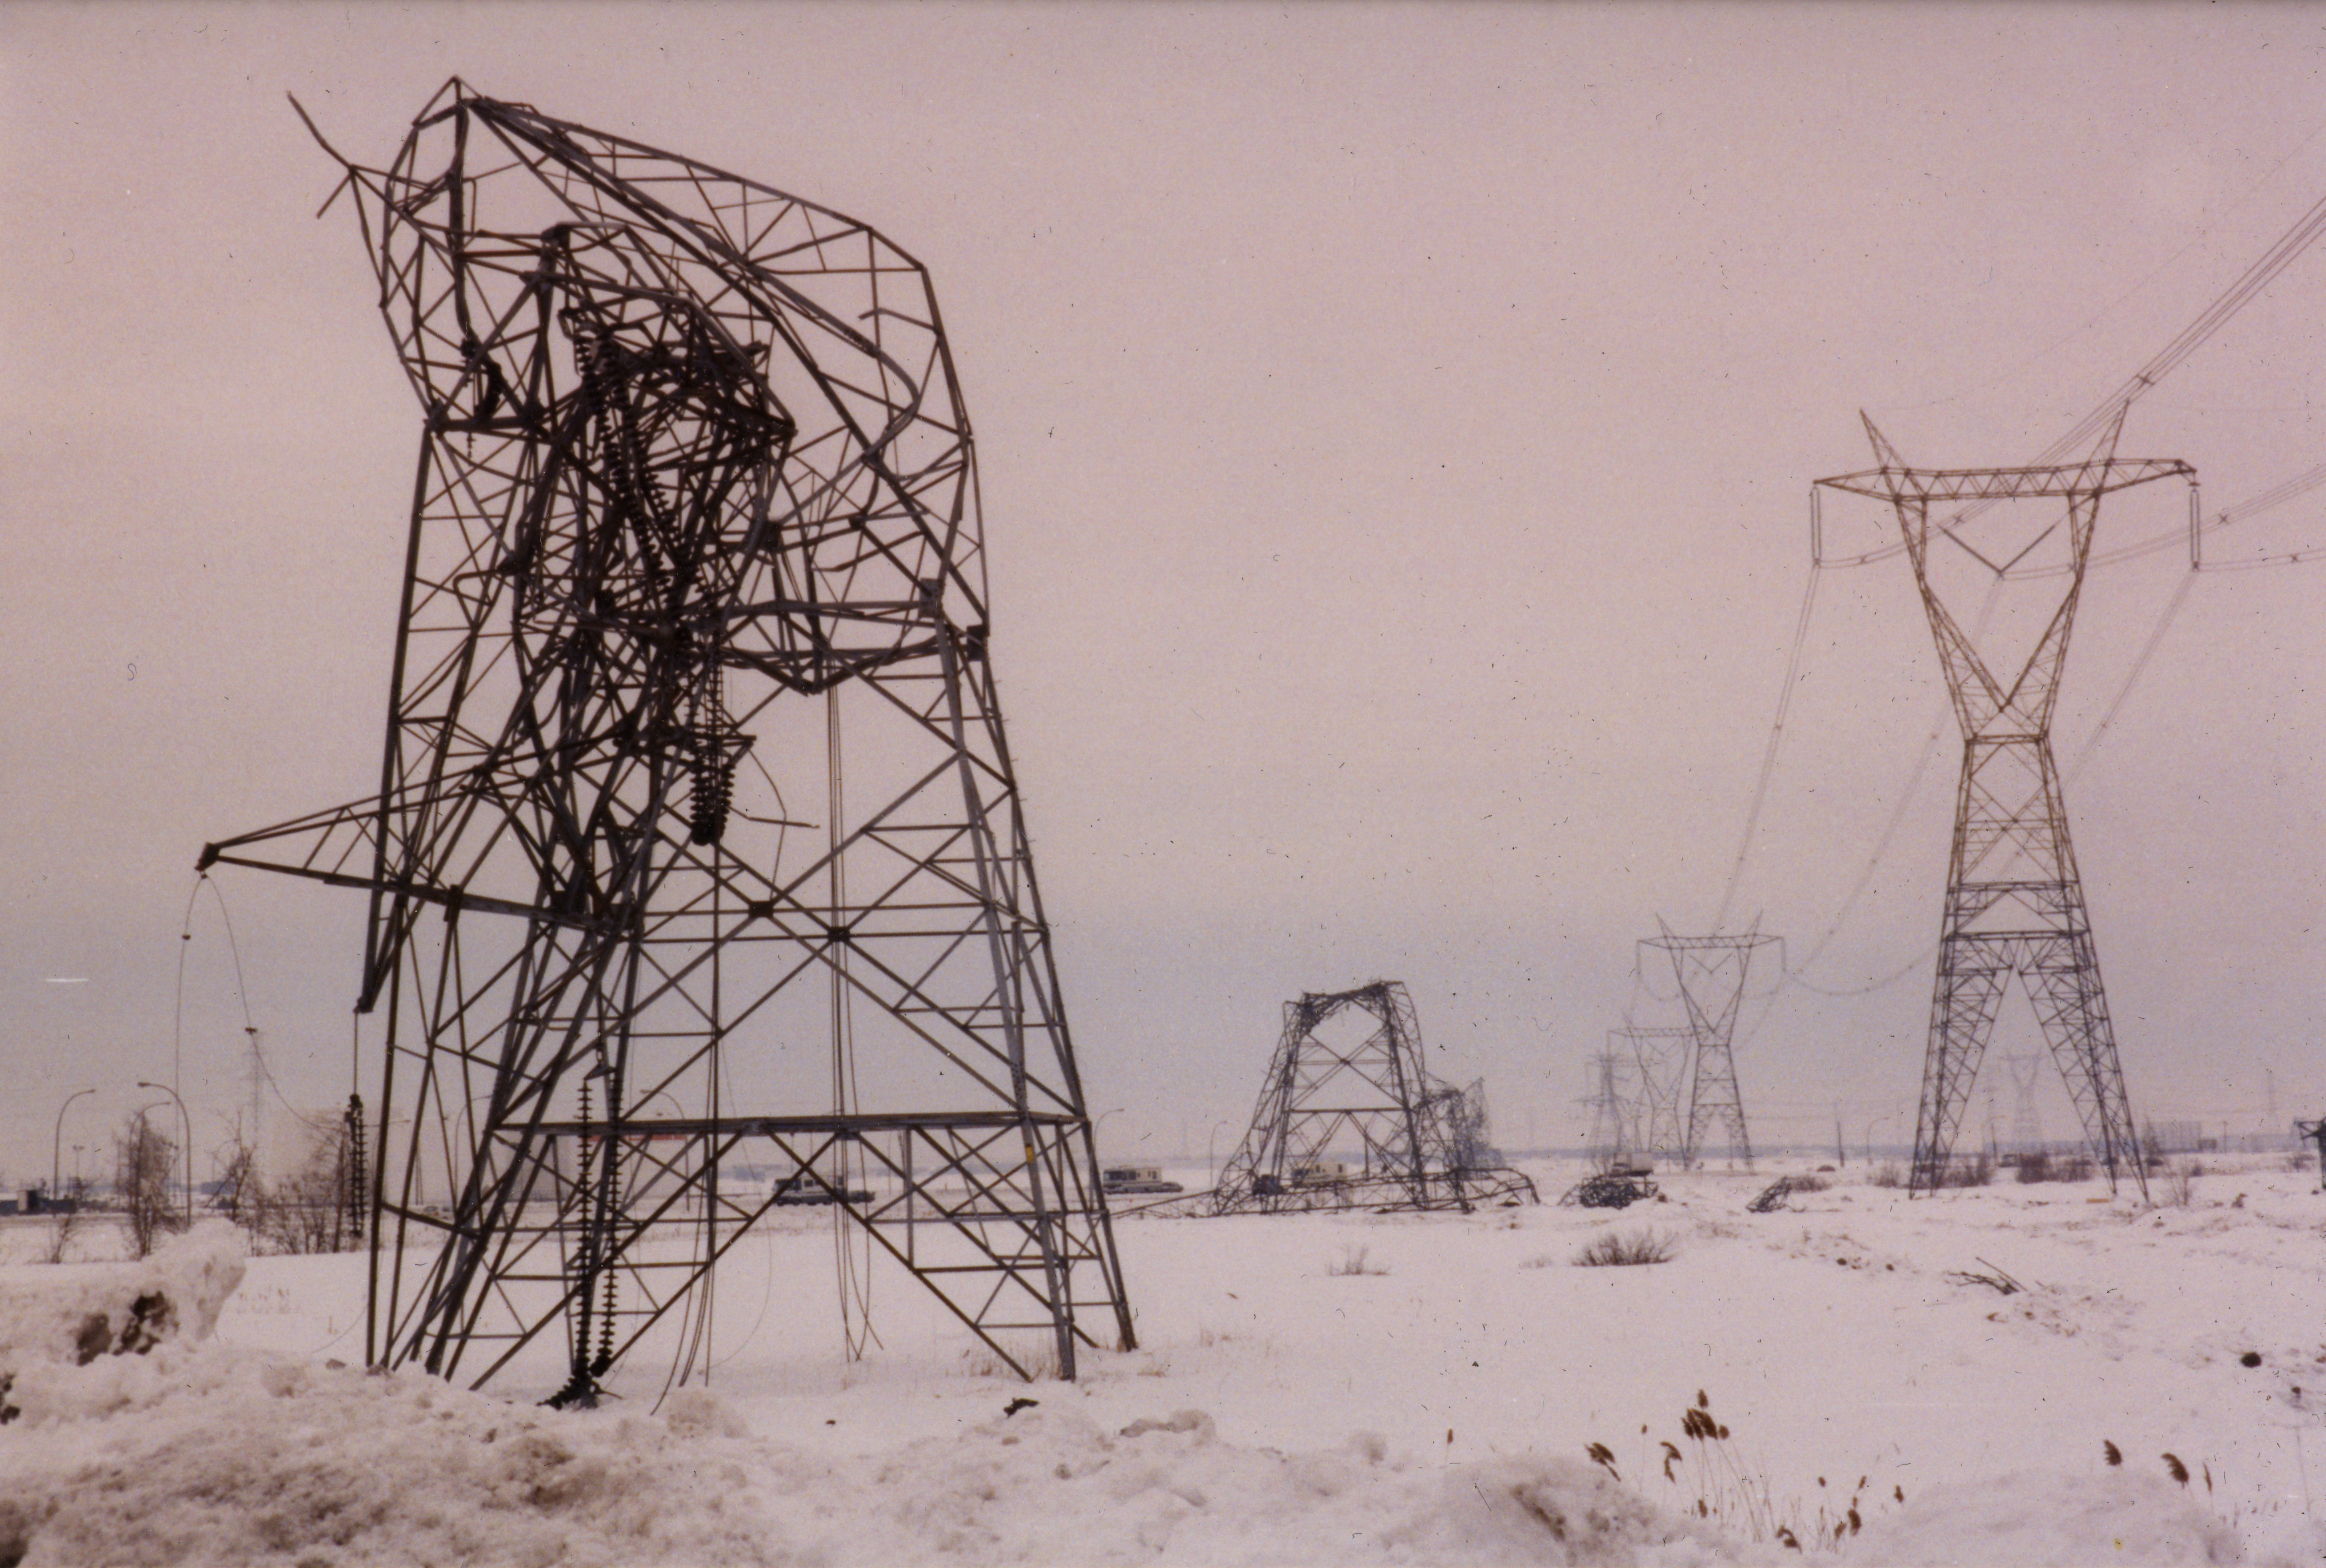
{"points": [[242, 1457], [2051, 1521], [1837, 1340], [239, 1457], [78, 1341], [247, 1458], [45, 1313], [1052, 1487]]}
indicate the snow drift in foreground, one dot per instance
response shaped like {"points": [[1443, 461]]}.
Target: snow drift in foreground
{"points": [[1996, 1375], [164, 1445]]}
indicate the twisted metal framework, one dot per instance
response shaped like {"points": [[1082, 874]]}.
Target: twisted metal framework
{"points": [[1418, 1142], [1710, 973], [695, 542], [2014, 902]]}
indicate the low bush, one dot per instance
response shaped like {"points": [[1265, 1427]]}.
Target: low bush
{"points": [[1625, 1249], [1977, 1171], [2050, 1167]]}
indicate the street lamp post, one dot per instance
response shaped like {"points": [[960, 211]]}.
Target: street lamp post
{"points": [[1883, 1120], [1100, 1124], [1210, 1146], [188, 1123], [57, 1145]]}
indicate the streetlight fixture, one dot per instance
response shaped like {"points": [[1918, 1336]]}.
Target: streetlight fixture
{"points": [[188, 1122], [57, 1145], [1101, 1123], [1210, 1144]]}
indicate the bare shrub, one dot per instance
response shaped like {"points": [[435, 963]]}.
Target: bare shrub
{"points": [[1037, 1353], [1354, 1260], [64, 1218], [310, 1209], [1809, 1184], [144, 1159], [2075, 1167], [1977, 1171], [234, 1195], [1625, 1249], [1888, 1173], [2180, 1182], [2034, 1167]]}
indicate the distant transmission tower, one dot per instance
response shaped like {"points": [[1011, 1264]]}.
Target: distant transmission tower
{"points": [[1711, 972], [1665, 1058], [2015, 904], [2026, 1126], [1614, 1113], [698, 852]]}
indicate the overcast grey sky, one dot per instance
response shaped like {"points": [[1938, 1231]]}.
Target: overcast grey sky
{"points": [[1395, 428]]}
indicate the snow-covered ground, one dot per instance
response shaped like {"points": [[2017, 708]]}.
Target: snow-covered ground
{"points": [[1323, 1388]]}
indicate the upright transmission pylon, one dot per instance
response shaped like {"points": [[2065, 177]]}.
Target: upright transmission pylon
{"points": [[2026, 1123], [1711, 972], [1664, 1057], [1347, 1083], [2015, 904], [1615, 1112], [698, 878]]}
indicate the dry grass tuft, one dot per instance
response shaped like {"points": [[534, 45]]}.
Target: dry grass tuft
{"points": [[1733, 1492], [1354, 1260], [1037, 1353], [1625, 1249]]}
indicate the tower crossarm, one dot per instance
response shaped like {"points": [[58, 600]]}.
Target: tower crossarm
{"points": [[2097, 477]]}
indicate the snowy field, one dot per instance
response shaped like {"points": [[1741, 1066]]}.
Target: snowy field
{"points": [[1326, 1389]]}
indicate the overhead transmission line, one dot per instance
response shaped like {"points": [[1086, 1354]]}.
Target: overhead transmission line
{"points": [[2248, 286]]}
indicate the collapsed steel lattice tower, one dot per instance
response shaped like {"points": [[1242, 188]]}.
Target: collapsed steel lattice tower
{"points": [[1361, 1091], [1711, 972], [2015, 902], [694, 542]]}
